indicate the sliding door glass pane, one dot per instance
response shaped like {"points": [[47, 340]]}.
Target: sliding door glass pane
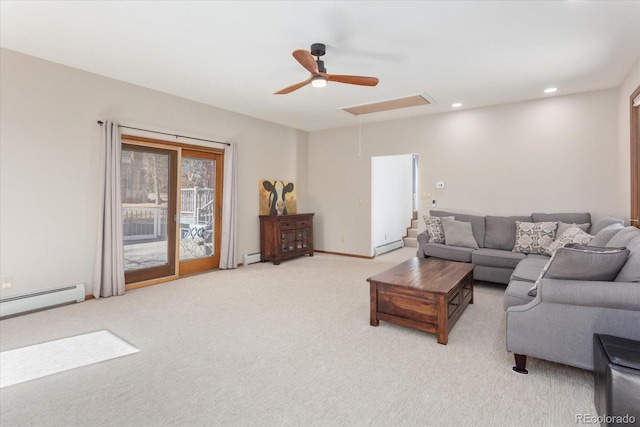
{"points": [[145, 200], [197, 208]]}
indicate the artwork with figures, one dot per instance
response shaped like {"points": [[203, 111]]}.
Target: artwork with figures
{"points": [[277, 197]]}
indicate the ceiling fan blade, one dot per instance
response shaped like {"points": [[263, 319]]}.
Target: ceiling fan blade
{"points": [[352, 80], [305, 59], [291, 88]]}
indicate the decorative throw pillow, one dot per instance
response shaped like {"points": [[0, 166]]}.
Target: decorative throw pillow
{"points": [[563, 226], [583, 263], [589, 264], [458, 233], [434, 228], [532, 236], [574, 234]]}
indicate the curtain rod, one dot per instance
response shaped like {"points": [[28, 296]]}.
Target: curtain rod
{"points": [[100, 122]]}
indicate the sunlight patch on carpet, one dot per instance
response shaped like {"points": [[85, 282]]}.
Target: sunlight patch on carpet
{"points": [[37, 361]]}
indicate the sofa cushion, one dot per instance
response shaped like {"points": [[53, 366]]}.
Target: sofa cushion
{"points": [[477, 223], [434, 228], [532, 236], [602, 223], [528, 271], [501, 231], [570, 218], [496, 258], [573, 234], [453, 253], [517, 293], [541, 257], [623, 237], [604, 235], [630, 272], [458, 233], [492, 274], [586, 263]]}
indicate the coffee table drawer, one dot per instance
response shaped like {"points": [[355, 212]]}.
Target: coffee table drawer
{"points": [[407, 306], [467, 291], [454, 302]]}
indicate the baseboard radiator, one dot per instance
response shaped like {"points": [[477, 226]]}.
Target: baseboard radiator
{"points": [[388, 247], [251, 258], [19, 304]]}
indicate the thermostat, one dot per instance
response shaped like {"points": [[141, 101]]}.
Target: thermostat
{"points": [[440, 184]]}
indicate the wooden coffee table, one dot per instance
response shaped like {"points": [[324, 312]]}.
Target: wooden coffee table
{"points": [[426, 294]]}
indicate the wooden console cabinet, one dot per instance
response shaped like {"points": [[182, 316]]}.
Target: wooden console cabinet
{"points": [[285, 236]]}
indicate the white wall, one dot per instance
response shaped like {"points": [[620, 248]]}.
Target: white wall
{"points": [[391, 198], [558, 154], [49, 156]]}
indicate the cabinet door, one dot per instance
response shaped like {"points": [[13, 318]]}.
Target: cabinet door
{"points": [[288, 241], [303, 239]]}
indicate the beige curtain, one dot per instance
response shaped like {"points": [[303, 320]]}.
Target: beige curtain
{"points": [[108, 277], [228, 256]]}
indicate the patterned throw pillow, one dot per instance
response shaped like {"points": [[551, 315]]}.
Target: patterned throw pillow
{"points": [[434, 228], [532, 236], [563, 226], [573, 234]]}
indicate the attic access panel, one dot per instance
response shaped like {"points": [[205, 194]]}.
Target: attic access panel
{"points": [[392, 104]]}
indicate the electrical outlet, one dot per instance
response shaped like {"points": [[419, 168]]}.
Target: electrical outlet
{"points": [[6, 283]]}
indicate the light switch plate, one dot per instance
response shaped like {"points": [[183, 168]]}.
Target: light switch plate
{"points": [[440, 184]]}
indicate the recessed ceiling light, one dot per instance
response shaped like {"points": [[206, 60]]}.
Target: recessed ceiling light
{"points": [[456, 105], [550, 90]]}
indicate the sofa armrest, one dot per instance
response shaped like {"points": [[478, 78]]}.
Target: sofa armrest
{"points": [[615, 295], [423, 239]]}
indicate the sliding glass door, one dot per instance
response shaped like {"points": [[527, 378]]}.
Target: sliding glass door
{"points": [[200, 201], [171, 204], [148, 209]]}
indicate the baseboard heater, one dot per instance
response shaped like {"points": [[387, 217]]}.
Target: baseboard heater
{"points": [[19, 304], [387, 247], [251, 258]]}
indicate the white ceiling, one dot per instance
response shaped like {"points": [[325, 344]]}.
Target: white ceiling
{"points": [[234, 55]]}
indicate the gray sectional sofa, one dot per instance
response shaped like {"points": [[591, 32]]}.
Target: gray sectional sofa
{"points": [[572, 301], [494, 260]]}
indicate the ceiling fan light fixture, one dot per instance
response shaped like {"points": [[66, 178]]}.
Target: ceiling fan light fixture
{"points": [[318, 81]]}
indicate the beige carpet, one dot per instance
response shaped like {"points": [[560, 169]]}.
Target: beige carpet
{"points": [[286, 345]]}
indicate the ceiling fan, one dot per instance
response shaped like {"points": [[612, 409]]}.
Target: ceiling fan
{"points": [[319, 76]]}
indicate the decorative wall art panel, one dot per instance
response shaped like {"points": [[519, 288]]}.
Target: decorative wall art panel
{"points": [[277, 197]]}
